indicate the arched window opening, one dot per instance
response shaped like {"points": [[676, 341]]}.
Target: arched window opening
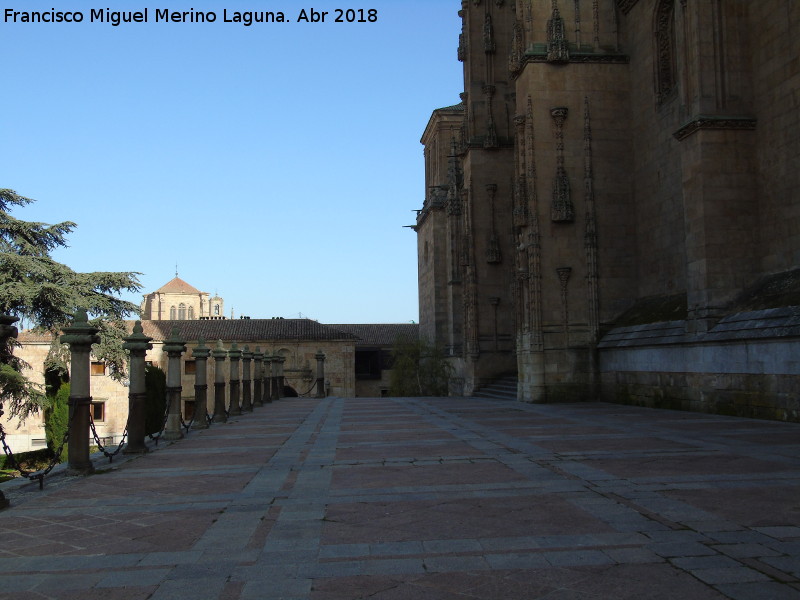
{"points": [[173, 313], [216, 309], [191, 313], [181, 312], [665, 63]]}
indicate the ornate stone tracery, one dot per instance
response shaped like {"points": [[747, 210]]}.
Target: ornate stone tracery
{"points": [[561, 210], [557, 50], [664, 34]]}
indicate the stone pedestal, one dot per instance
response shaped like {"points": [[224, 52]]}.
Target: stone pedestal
{"points": [[234, 354], [137, 345], [247, 399], [269, 378], [320, 373], [220, 354], [280, 379], [258, 376], [174, 346], [200, 355], [80, 337]]}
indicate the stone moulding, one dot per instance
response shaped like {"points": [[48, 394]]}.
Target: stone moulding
{"points": [[714, 122], [626, 5], [584, 57]]}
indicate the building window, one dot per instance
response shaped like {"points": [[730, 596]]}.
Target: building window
{"points": [[99, 411], [181, 312], [190, 367], [98, 368], [191, 313], [173, 313], [216, 309]]}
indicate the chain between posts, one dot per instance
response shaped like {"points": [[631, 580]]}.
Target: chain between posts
{"points": [[41, 474], [157, 436], [100, 446]]}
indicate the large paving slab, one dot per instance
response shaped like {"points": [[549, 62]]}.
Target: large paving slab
{"points": [[423, 498]]}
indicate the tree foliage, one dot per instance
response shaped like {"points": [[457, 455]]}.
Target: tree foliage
{"points": [[46, 293], [420, 368], [57, 421]]}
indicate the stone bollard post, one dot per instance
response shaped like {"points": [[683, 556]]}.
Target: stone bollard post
{"points": [[258, 375], [320, 374], [200, 355], [220, 354], [80, 337], [280, 379], [174, 346], [247, 398], [234, 354], [137, 344], [7, 331], [269, 382]]}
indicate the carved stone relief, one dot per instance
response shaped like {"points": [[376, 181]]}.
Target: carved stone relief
{"points": [[561, 209]]}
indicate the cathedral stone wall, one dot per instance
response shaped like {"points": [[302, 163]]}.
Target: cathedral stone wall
{"points": [[643, 161]]}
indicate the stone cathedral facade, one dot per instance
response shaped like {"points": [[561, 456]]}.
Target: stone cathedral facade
{"points": [[613, 209]]}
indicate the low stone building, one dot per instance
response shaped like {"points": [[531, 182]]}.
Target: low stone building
{"points": [[357, 363]]}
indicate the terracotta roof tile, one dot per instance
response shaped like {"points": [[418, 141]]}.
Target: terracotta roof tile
{"points": [[178, 286], [245, 330], [381, 334]]}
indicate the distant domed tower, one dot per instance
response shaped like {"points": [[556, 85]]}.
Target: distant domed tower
{"points": [[179, 301]]}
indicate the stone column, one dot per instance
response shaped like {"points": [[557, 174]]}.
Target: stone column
{"points": [[174, 346], [320, 374], [80, 337], [7, 331], [279, 378], [273, 386], [258, 375], [247, 392], [200, 355], [234, 354], [220, 354], [269, 383], [137, 344]]}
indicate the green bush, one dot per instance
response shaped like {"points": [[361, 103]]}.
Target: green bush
{"points": [[419, 369], [56, 421], [156, 403]]}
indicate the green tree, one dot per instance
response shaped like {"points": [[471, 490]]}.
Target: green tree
{"points": [[46, 293], [419, 368], [57, 420]]}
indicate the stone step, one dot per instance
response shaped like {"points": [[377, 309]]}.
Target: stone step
{"points": [[504, 388]]}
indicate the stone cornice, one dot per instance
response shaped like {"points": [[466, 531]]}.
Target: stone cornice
{"points": [[714, 122], [575, 57]]}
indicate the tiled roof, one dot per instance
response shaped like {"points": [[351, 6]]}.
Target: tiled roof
{"points": [[245, 330], [455, 107], [178, 286], [382, 334]]}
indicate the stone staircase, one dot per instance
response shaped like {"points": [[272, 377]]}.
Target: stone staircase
{"points": [[503, 388]]}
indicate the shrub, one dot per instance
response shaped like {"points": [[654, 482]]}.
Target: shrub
{"points": [[419, 369], [56, 421]]}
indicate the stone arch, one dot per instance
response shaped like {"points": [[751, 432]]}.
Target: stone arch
{"points": [[666, 71]]}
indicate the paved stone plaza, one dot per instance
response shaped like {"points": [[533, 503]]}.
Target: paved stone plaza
{"points": [[424, 498]]}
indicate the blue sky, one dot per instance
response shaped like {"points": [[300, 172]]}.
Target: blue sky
{"points": [[276, 164]]}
